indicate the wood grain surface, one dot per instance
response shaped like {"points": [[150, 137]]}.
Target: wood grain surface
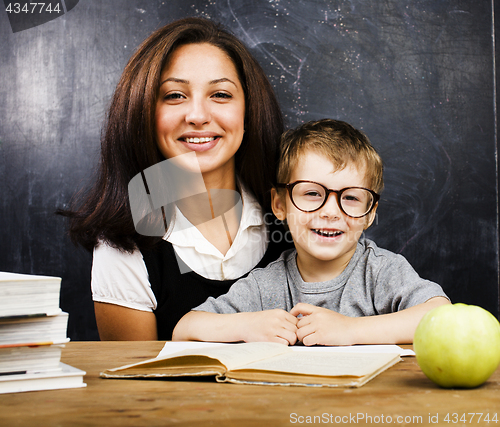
{"points": [[400, 396]]}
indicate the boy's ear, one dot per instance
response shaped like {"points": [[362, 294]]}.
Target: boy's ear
{"points": [[371, 216], [278, 205]]}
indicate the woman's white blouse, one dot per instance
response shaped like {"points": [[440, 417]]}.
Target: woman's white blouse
{"points": [[122, 278]]}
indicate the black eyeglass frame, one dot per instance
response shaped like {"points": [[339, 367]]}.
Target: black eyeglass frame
{"points": [[328, 191]]}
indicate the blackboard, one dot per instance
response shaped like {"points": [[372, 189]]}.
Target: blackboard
{"points": [[418, 77]]}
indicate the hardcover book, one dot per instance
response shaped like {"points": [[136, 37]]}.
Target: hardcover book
{"points": [[263, 363]]}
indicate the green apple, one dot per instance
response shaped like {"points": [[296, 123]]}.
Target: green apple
{"points": [[458, 345]]}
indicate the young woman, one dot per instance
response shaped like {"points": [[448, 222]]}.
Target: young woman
{"points": [[192, 92]]}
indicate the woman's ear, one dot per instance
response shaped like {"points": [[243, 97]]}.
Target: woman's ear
{"points": [[278, 205], [371, 216]]}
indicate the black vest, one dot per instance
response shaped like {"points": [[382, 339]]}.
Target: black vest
{"points": [[177, 293]]}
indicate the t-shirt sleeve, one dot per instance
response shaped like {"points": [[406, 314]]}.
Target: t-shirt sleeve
{"points": [[398, 286], [121, 278], [243, 296]]}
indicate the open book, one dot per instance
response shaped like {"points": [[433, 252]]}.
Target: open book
{"points": [[263, 363]]}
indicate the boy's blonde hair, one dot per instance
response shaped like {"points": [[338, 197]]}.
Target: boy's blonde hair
{"points": [[336, 140]]}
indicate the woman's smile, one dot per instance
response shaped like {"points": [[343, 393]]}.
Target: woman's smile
{"points": [[199, 142]]}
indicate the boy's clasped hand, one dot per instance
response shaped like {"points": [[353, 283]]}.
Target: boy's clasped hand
{"points": [[305, 323]]}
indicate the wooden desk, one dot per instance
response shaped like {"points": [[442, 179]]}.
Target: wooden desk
{"points": [[400, 396]]}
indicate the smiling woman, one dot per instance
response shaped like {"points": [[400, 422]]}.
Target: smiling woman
{"points": [[191, 89]]}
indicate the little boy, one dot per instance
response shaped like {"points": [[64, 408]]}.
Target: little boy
{"points": [[336, 287]]}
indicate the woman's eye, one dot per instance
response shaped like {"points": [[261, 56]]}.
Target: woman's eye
{"points": [[222, 95], [173, 96]]}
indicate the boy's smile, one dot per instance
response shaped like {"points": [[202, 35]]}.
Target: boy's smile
{"points": [[325, 239], [328, 233]]}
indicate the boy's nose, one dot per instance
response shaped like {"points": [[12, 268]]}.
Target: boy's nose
{"points": [[331, 208], [198, 112]]}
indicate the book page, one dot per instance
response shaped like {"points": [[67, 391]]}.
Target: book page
{"points": [[234, 355], [171, 347], [191, 361], [324, 363], [368, 348]]}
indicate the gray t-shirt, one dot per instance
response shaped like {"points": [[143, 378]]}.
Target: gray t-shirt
{"points": [[376, 281]]}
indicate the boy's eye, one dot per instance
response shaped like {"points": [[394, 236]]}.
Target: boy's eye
{"points": [[351, 198], [312, 193], [308, 191], [355, 197]]}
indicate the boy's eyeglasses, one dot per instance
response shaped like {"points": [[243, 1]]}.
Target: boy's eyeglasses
{"points": [[309, 196]]}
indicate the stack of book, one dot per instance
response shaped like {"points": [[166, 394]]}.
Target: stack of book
{"points": [[33, 331]]}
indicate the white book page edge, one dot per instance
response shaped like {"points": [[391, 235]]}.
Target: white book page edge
{"points": [[171, 347]]}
